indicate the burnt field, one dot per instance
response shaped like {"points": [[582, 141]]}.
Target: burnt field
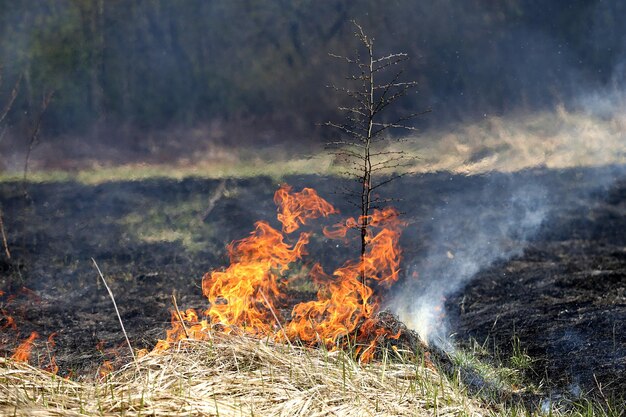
{"points": [[538, 255]]}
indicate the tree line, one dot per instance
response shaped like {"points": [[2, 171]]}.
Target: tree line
{"points": [[160, 63]]}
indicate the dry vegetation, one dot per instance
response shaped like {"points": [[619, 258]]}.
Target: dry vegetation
{"points": [[240, 376], [233, 375], [555, 139]]}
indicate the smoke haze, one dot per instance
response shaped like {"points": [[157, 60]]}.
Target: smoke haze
{"points": [[495, 220]]}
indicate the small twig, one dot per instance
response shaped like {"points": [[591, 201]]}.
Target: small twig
{"points": [[180, 317], [9, 104], [34, 137], [4, 237], [118, 313], [606, 401], [276, 318], [217, 194]]}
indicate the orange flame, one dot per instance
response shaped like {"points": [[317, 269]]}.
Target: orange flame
{"points": [[105, 369], [9, 321], [51, 344], [298, 208], [236, 294], [248, 293], [347, 305], [23, 351]]}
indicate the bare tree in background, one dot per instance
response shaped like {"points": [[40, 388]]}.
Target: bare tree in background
{"points": [[3, 115], [365, 127], [34, 135], [32, 143]]}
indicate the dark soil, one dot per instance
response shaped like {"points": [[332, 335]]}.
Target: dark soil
{"points": [[559, 287]]}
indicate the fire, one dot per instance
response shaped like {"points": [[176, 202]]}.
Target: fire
{"points": [[52, 361], [298, 208], [346, 305], [257, 263], [23, 351], [105, 369], [249, 294], [9, 321]]}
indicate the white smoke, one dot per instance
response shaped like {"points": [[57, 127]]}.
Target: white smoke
{"points": [[470, 232], [467, 237]]}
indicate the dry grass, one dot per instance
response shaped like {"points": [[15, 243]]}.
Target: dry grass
{"points": [[555, 139], [239, 376]]}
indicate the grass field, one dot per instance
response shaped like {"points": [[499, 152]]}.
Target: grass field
{"points": [[241, 376]]}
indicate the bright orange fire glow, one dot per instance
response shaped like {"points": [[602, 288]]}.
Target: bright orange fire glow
{"points": [[248, 294], [9, 321], [298, 208], [105, 369], [51, 344], [23, 351], [346, 305]]}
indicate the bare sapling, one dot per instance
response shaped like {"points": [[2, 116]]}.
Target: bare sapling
{"points": [[374, 87], [34, 136], [5, 111]]}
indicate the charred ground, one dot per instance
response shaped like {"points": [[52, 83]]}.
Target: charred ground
{"points": [[562, 292]]}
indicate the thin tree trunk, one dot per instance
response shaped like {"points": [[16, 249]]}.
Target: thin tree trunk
{"points": [[366, 189], [4, 237]]}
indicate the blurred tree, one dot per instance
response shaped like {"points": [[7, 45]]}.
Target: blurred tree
{"points": [[159, 63]]}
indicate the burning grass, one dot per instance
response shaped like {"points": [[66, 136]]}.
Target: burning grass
{"points": [[239, 375], [250, 292]]}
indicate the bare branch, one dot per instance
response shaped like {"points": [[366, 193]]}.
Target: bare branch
{"points": [[391, 56], [389, 160], [387, 101], [384, 101], [398, 123], [347, 155], [346, 130], [349, 92], [390, 168], [396, 85], [34, 137], [345, 143], [387, 181], [343, 58], [9, 104], [388, 64], [376, 154], [352, 110], [394, 125]]}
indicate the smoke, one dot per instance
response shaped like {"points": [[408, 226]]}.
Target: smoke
{"points": [[466, 237], [592, 134], [502, 204]]}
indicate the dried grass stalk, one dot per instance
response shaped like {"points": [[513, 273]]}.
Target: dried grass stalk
{"points": [[238, 376]]}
